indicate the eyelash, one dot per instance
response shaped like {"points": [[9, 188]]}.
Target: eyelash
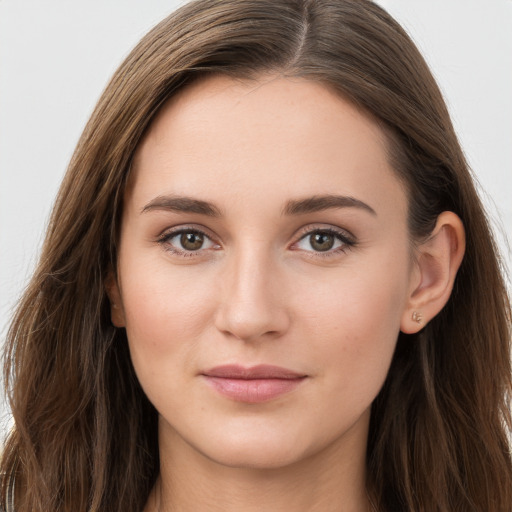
{"points": [[164, 241], [347, 241]]}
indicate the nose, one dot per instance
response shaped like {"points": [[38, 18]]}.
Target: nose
{"points": [[252, 303]]}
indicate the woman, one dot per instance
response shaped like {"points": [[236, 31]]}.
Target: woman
{"points": [[267, 284]]}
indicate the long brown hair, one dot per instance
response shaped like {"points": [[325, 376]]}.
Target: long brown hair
{"points": [[85, 435]]}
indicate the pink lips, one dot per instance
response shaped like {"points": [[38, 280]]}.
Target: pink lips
{"points": [[252, 385]]}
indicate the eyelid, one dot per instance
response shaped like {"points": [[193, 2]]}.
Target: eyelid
{"points": [[326, 228], [347, 239], [170, 233], [180, 228]]}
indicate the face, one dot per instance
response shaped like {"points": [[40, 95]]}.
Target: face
{"points": [[264, 270]]}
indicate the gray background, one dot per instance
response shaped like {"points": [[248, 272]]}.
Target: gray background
{"points": [[56, 57]]}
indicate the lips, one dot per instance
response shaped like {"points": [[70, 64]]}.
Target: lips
{"points": [[256, 384]]}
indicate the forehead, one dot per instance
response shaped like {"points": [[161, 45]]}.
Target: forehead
{"points": [[268, 136]]}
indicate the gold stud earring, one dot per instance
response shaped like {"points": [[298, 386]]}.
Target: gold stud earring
{"points": [[417, 317]]}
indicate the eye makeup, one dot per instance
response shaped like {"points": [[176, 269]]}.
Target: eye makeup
{"points": [[325, 242]]}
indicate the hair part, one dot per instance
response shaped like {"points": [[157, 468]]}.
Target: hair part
{"points": [[85, 435]]}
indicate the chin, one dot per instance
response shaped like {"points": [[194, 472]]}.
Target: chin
{"points": [[261, 450], [254, 457]]}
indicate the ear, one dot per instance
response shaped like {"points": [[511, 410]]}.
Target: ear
{"points": [[437, 262], [116, 304]]}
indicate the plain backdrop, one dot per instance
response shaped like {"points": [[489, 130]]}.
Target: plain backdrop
{"points": [[56, 57]]}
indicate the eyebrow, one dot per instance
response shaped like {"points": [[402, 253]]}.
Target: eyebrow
{"points": [[326, 202], [312, 204], [182, 204]]}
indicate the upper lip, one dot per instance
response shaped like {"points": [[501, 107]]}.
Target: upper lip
{"points": [[262, 371]]}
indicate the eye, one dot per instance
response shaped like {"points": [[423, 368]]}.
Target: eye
{"points": [[186, 241], [325, 241], [190, 241]]}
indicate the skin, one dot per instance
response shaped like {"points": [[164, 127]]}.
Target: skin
{"points": [[258, 291]]}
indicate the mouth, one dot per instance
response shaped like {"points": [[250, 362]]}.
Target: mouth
{"points": [[252, 385]]}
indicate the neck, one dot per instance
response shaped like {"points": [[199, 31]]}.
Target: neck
{"points": [[330, 480]]}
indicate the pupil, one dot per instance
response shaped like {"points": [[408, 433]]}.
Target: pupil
{"points": [[322, 241], [191, 241]]}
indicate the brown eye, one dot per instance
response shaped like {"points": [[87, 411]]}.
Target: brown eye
{"points": [[322, 241], [187, 242], [328, 241], [191, 241]]}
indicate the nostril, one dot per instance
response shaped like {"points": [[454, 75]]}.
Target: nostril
{"points": [[251, 303], [248, 322]]}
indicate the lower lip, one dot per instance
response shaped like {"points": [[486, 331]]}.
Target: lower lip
{"points": [[253, 391]]}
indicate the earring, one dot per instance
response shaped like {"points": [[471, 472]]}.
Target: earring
{"points": [[417, 317]]}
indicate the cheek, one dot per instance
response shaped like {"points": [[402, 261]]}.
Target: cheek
{"points": [[166, 313], [354, 321]]}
